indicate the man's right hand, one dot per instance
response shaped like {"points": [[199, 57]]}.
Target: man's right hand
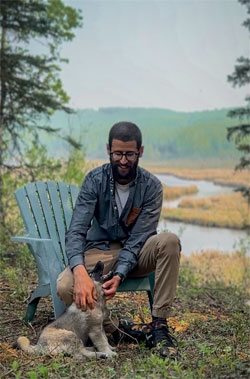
{"points": [[84, 289]]}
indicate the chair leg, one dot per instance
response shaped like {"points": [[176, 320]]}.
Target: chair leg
{"points": [[31, 310], [151, 292], [151, 299], [59, 306]]}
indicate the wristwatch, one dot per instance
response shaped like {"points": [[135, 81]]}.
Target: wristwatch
{"points": [[120, 275]]}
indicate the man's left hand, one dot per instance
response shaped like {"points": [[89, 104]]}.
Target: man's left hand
{"points": [[110, 287]]}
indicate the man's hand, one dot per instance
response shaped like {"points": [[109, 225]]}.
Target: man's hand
{"points": [[110, 287], [84, 289]]}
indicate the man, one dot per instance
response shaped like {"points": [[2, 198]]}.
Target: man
{"points": [[115, 220]]}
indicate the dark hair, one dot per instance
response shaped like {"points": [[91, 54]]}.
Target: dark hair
{"points": [[125, 131]]}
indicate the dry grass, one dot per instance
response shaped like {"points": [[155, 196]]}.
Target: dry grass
{"points": [[213, 266], [172, 193], [217, 175], [227, 210]]}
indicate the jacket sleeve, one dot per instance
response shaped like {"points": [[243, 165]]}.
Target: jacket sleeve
{"points": [[144, 227], [83, 213]]}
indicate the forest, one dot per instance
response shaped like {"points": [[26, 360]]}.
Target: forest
{"points": [[167, 135]]}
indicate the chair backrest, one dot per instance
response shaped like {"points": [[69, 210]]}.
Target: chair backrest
{"points": [[46, 209]]}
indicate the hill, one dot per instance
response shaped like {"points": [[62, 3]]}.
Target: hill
{"points": [[166, 134]]}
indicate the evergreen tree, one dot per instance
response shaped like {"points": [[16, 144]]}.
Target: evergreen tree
{"points": [[241, 132], [30, 87]]}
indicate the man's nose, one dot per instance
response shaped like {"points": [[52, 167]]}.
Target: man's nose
{"points": [[123, 159]]}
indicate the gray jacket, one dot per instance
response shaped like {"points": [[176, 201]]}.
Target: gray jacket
{"points": [[96, 222]]}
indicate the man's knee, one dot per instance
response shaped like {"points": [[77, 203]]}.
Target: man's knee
{"points": [[65, 286], [169, 243]]}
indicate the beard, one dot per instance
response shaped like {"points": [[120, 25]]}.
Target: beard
{"points": [[124, 173]]}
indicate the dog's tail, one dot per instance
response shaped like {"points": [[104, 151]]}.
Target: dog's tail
{"points": [[23, 343]]}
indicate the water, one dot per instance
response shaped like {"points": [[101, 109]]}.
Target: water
{"points": [[195, 238], [205, 188]]}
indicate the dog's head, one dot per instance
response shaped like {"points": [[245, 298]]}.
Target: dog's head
{"points": [[97, 273]]}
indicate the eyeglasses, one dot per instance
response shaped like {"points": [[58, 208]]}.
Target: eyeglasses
{"points": [[129, 155]]}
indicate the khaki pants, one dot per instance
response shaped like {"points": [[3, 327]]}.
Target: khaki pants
{"points": [[160, 253]]}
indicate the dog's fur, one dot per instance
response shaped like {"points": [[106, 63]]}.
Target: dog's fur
{"points": [[70, 332]]}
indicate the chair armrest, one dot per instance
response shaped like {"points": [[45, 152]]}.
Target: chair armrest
{"points": [[42, 247], [27, 239], [49, 264]]}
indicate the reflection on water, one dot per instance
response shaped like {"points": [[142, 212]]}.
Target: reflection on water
{"points": [[205, 188], [196, 238]]}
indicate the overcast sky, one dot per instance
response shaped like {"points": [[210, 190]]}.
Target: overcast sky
{"points": [[172, 54]]}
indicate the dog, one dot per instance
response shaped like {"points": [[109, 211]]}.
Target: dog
{"points": [[71, 331]]}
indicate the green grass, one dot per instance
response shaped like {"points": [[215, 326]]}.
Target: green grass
{"points": [[210, 317]]}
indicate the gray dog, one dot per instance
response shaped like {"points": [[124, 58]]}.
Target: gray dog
{"points": [[70, 332]]}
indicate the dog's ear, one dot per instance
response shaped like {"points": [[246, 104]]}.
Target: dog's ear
{"points": [[96, 273]]}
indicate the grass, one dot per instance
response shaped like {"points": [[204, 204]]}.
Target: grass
{"points": [[226, 210], [224, 176], [215, 267], [172, 193], [210, 320]]}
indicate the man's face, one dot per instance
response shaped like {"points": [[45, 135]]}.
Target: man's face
{"points": [[124, 169]]}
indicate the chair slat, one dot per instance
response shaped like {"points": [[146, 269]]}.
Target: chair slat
{"points": [[37, 210], [26, 212], [48, 214], [74, 193], [66, 203], [58, 213]]}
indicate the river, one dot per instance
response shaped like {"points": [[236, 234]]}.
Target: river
{"points": [[195, 238]]}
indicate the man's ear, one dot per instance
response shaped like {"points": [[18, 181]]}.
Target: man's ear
{"points": [[108, 149], [141, 151]]}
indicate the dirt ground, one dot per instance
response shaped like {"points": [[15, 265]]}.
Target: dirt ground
{"points": [[209, 324]]}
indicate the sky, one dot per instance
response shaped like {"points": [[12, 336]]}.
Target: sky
{"points": [[173, 54]]}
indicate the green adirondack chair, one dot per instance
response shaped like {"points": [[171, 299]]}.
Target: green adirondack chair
{"points": [[46, 209]]}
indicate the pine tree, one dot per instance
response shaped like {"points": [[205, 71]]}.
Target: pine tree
{"points": [[30, 86], [241, 132]]}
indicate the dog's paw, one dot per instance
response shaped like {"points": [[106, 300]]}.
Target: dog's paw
{"points": [[100, 355], [112, 354], [109, 355], [113, 348]]}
